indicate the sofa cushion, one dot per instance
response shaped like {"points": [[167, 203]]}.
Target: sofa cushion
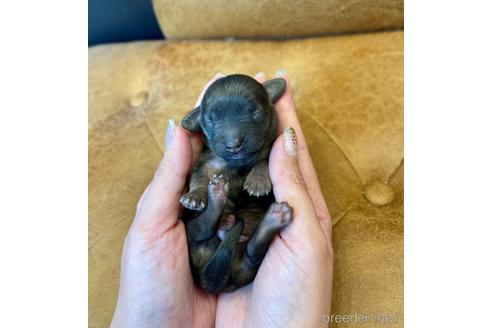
{"points": [[263, 18], [349, 97]]}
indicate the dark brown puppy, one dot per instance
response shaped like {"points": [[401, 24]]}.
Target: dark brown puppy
{"points": [[232, 217]]}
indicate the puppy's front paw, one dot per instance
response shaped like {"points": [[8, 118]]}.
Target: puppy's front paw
{"points": [[194, 200], [257, 185]]}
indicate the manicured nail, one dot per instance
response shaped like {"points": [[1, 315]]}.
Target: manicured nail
{"points": [[281, 72], [171, 127], [219, 75], [260, 75], [290, 142]]}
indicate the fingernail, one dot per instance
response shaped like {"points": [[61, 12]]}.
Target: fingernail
{"points": [[281, 72], [290, 142], [171, 127], [260, 75], [219, 75]]}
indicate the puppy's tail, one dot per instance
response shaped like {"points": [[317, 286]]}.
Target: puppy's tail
{"points": [[215, 275]]}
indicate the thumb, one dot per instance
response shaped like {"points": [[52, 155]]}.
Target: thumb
{"points": [[159, 205], [289, 186]]}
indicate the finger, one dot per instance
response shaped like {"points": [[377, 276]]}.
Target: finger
{"points": [[159, 206], [140, 201], [289, 186], [200, 97], [288, 118], [260, 77]]}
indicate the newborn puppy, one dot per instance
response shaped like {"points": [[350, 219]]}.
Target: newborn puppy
{"points": [[232, 217]]}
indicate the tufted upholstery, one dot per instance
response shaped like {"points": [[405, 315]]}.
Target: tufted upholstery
{"points": [[349, 96]]}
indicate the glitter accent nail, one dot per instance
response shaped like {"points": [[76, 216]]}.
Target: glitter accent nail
{"points": [[290, 141]]}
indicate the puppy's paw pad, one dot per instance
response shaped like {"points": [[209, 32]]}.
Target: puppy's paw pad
{"points": [[217, 187], [280, 214], [194, 200], [257, 185]]}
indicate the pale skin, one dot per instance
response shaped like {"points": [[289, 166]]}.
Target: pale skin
{"points": [[293, 286]]}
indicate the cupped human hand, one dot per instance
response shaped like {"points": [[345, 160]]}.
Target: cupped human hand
{"points": [[156, 285], [293, 285]]}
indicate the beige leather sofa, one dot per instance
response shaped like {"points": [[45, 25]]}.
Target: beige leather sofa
{"points": [[348, 89]]}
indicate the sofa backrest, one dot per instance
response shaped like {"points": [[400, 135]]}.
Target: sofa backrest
{"points": [[185, 19]]}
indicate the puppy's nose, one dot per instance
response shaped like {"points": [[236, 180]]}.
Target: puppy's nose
{"points": [[235, 145]]}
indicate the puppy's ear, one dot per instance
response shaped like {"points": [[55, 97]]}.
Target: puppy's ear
{"points": [[275, 89], [191, 121]]}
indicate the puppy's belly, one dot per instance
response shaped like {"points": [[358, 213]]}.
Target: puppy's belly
{"points": [[250, 209], [221, 235], [226, 223]]}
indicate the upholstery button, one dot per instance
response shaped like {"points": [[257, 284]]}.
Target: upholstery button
{"points": [[379, 193], [139, 99]]}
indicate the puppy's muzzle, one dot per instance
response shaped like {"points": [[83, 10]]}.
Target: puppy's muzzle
{"points": [[235, 145]]}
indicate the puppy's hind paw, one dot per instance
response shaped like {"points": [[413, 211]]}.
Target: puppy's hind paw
{"points": [[218, 188], [279, 215]]}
